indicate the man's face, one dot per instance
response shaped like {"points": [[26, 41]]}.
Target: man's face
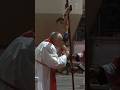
{"points": [[61, 24], [58, 42]]}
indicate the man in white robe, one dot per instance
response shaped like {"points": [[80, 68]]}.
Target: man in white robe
{"points": [[47, 60]]}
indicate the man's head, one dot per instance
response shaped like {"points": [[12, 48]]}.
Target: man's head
{"points": [[60, 23], [57, 39], [60, 20]]}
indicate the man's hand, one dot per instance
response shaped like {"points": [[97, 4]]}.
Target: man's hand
{"points": [[65, 51]]}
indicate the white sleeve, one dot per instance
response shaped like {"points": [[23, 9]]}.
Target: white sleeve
{"points": [[37, 54], [51, 59]]}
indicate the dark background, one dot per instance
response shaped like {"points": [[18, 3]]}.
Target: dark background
{"points": [[16, 17], [102, 35]]}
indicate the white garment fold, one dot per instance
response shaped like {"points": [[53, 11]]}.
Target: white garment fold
{"points": [[46, 53]]}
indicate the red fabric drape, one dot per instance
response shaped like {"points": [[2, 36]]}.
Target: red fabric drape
{"points": [[28, 34], [53, 79]]}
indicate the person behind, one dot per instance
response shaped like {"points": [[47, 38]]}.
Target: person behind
{"points": [[17, 63], [112, 72], [108, 74], [49, 57]]}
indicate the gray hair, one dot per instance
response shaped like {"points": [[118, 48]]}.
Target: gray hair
{"points": [[56, 35]]}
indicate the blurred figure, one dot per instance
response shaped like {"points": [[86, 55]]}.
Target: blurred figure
{"points": [[81, 58], [17, 64], [108, 74]]}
